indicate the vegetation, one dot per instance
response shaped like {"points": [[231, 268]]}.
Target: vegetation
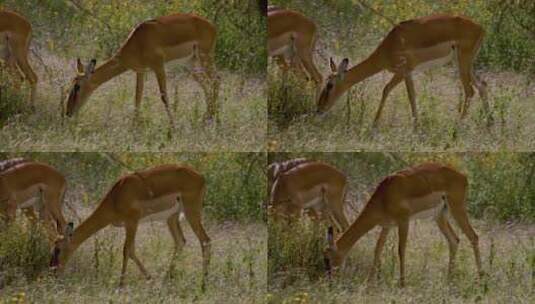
{"points": [[232, 215], [349, 29], [499, 192], [106, 122]]}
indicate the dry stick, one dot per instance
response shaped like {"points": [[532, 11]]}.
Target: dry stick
{"points": [[348, 107], [175, 104], [376, 12], [62, 105], [112, 158], [73, 210], [88, 12]]}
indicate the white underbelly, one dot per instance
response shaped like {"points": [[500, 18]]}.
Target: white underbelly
{"points": [[281, 45], [434, 56], [431, 64], [29, 203], [314, 203], [428, 206], [313, 198], [181, 54], [165, 214], [284, 50], [161, 216]]}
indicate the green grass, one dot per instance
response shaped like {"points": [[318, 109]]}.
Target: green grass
{"points": [[237, 270], [105, 123], [508, 255]]}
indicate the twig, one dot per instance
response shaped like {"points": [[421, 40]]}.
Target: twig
{"points": [[88, 12], [392, 22], [112, 158]]}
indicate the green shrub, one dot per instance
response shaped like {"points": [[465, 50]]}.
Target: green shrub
{"points": [[289, 98], [295, 250], [24, 251], [12, 101]]}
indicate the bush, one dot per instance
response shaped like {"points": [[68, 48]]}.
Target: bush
{"points": [[295, 250], [289, 99], [24, 251], [12, 102]]}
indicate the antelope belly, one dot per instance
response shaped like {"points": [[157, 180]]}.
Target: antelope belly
{"points": [[313, 203], [280, 45], [427, 206], [434, 56], [161, 216], [29, 203], [180, 54]]}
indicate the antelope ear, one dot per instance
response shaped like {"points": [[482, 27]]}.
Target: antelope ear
{"points": [[332, 64], [79, 66], [330, 237], [342, 68], [91, 66]]}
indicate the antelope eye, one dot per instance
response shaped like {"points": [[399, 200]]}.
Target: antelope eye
{"points": [[76, 87], [329, 85]]}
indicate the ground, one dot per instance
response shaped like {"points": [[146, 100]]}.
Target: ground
{"points": [[237, 271], [105, 123], [508, 256]]}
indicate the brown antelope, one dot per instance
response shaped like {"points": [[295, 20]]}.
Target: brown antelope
{"points": [[15, 37], [159, 193], [313, 186], [185, 38], [292, 35], [276, 169], [412, 46], [425, 190], [30, 186]]}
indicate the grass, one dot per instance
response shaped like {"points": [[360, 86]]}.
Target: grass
{"points": [[105, 123], [438, 94], [508, 255], [237, 271]]}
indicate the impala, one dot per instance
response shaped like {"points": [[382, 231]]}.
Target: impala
{"points": [[159, 193], [314, 186], [412, 46], [292, 35], [276, 169], [153, 43], [30, 185], [15, 36], [428, 189]]}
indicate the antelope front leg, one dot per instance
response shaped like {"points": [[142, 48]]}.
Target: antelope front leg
{"points": [[403, 230], [129, 251], [378, 251], [140, 84], [396, 79], [409, 83]]}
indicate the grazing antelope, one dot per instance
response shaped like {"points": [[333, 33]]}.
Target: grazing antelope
{"points": [[313, 186], [185, 38], [15, 37], [30, 186], [159, 193], [292, 35], [426, 190], [411, 46]]}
